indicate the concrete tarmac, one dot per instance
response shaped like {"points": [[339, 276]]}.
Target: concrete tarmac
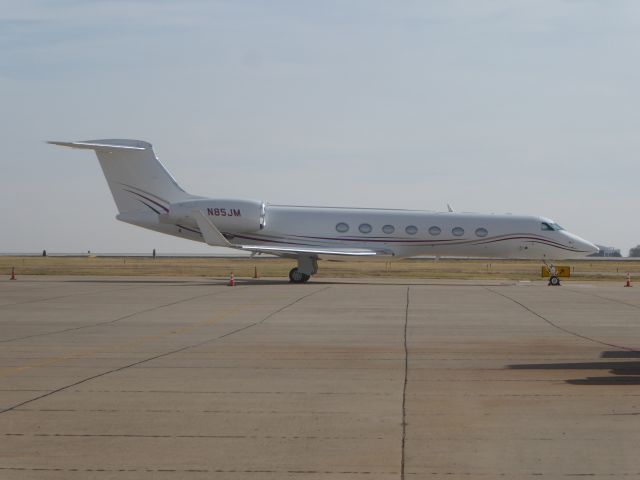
{"points": [[167, 378]]}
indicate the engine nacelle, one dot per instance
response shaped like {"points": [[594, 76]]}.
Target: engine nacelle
{"points": [[228, 215]]}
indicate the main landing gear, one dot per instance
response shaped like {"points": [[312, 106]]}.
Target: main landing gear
{"points": [[296, 276], [307, 266]]}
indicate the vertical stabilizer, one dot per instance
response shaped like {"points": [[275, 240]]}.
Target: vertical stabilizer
{"points": [[137, 179]]}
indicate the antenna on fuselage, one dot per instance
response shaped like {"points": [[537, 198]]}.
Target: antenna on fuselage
{"points": [[449, 208]]}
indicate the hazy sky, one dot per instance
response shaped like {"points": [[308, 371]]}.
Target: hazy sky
{"points": [[493, 106]]}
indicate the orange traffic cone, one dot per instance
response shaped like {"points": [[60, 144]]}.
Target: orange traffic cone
{"points": [[628, 282], [232, 281], [13, 273]]}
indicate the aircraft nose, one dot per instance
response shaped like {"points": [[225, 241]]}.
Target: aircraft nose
{"points": [[584, 245], [581, 245], [591, 247]]}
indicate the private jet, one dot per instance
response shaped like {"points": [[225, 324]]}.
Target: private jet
{"points": [[147, 195]]}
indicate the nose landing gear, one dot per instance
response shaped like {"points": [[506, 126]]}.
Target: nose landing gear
{"points": [[554, 279]]}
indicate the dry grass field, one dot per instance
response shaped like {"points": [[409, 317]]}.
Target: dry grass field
{"points": [[590, 269]]}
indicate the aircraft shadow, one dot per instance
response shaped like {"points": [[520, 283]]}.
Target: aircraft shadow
{"points": [[620, 354], [605, 381], [620, 373]]}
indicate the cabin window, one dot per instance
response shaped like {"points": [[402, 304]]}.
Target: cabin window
{"points": [[434, 231], [411, 229], [388, 229], [458, 231], [342, 227], [481, 232], [365, 228]]}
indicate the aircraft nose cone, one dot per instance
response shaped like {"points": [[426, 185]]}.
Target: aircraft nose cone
{"points": [[592, 248], [586, 246], [583, 246]]}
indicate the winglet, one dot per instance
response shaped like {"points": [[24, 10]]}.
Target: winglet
{"points": [[209, 231]]}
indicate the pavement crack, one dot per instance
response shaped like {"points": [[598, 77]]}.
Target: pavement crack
{"points": [[110, 322], [165, 354], [595, 295], [57, 297], [558, 327], [273, 314], [404, 389]]}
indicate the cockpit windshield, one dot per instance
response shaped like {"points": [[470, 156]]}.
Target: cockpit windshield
{"points": [[550, 227]]}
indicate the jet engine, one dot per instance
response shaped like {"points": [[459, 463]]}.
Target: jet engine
{"points": [[228, 215]]}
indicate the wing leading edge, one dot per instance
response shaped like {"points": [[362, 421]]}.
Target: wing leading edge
{"points": [[213, 236]]}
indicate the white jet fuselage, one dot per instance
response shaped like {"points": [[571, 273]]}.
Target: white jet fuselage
{"points": [[148, 196], [397, 233], [410, 233]]}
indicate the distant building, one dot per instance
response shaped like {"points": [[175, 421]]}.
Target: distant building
{"points": [[607, 252]]}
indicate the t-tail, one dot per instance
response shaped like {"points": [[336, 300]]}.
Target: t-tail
{"points": [[148, 196], [138, 181]]}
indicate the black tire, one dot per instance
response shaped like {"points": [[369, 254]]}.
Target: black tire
{"points": [[554, 281], [296, 276]]}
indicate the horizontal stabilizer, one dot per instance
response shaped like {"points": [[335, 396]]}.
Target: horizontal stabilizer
{"points": [[94, 145]]}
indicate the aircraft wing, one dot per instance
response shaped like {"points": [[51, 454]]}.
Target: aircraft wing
{"points": [[311, 250], [213, 236]]}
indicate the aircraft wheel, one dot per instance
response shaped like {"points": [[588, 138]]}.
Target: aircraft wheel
{"points": [[554, 281], [296, 276]]}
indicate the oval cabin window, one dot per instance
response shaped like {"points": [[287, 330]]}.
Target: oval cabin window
{"points": [[481, 232], [342, 227], [434, 231], [365, 228], [411, 229], [388, 229], [458, 231]]}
